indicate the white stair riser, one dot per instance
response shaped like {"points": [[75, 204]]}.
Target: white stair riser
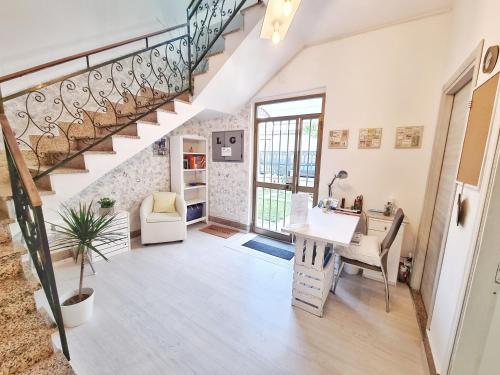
{"points": [[68, 185], [231, 43]]}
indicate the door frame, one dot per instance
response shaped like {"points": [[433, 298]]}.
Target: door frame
{"points": [[315, 190], [469, 70]]}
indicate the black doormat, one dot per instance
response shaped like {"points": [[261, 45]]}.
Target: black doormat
{"points": [[275, 248]]}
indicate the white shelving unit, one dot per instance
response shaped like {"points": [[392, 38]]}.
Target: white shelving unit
{"points": [[184, 147]]}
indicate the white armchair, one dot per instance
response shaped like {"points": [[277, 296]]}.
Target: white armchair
{"points": [[159, 227]]}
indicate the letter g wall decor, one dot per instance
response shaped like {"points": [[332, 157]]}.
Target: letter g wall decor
{"points": [[227, 146]]}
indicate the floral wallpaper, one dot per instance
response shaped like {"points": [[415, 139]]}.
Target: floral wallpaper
{"points": [[228, 183]]}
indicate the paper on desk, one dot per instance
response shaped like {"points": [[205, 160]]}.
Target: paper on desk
{"points": [[299, 207]]}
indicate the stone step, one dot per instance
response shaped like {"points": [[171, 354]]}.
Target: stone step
{"points": [[5, 236], [10, 261], [24, 343], [55, 365], [16, 299]]}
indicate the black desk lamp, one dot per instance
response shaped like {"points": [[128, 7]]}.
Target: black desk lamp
{"points": [[342, 174]]}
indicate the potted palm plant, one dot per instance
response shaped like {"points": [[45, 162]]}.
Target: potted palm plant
{"points": [[83, 230]]}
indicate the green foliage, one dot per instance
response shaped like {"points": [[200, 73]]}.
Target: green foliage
{"points": [[82, 230], [106, 202]]}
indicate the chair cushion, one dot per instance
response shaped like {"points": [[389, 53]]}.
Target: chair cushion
{"points": [[164, 202], [368, 251], [163, 217]]}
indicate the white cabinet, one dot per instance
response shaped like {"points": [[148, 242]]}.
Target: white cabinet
{"points": [[120, 224], [379, 225]]}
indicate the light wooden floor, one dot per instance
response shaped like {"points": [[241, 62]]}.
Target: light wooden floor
{"points": [[199, 307]]}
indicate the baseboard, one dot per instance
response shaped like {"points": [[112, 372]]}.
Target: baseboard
{"points": [[61, 255], [135, 233], [422, 324], [230, 223]]}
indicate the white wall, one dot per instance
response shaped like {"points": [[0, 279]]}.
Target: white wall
{"points": [[34, 32], [385, 78], [472, 20]]}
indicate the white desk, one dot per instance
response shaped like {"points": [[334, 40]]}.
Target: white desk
{"points": [[314, 263]]}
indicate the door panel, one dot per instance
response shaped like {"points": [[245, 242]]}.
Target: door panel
{"points": [[308, 147], [285, 162], [445, 194]]}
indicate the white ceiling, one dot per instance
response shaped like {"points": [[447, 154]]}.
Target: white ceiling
{"points": [[316, 21], [321, 20]]}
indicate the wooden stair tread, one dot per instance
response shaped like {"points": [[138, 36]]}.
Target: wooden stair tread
{"points": [[114, 135], [215, 53], [61, 170], [86, 152], [227, 33]]}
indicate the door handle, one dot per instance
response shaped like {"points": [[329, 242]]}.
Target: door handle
{"points": [[497, 275]]}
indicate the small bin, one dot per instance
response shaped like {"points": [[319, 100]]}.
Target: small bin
{"points": [[194, 211]]}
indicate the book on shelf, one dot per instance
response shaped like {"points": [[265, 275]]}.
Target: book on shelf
{"points": [[195, 162]]}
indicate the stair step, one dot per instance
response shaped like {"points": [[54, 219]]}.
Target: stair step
{"points": [[6, 221], [55, 365], [25, 342], [185, 97], [5, 233], [10, 261], [16, 299], [62, 170], [7, 249], [90, 152], [6, 192]]}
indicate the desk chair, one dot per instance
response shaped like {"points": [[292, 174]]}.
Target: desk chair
{"points": [[371, 254]]}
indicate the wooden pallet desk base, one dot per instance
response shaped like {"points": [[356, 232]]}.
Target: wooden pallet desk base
{"points": [[313, 274]]}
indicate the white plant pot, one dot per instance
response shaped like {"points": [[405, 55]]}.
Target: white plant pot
{"points": [[79, 313], [351, 270]]}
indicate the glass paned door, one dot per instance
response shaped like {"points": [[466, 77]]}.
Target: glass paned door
{"points": [[286, 162]]}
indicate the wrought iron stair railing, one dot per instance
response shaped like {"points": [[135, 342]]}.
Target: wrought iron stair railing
{"points": [[28, 206], [46, 126]]}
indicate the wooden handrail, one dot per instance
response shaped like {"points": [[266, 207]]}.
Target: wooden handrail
{"points": [[22, 168], [77, 56]]}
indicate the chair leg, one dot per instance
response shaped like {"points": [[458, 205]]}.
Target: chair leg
{"points": [[338, 276], [386, 284]]}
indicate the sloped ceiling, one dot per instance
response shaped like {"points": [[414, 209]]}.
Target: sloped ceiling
{"points": [[321, 20], [256, 60]]}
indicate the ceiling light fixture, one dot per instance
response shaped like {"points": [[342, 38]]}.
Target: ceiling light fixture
{"points": [[279, 12], [287, 8], [276, 37]]}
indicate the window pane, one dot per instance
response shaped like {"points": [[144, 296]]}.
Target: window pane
{"points": [[290, 108]]}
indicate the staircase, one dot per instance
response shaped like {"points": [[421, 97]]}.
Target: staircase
{"points": [[64, 134], [26, 337]]}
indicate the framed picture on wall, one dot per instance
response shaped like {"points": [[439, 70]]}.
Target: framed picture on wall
{"points": [[409, 136], [160, 147], [370, 138], [338, 138]]}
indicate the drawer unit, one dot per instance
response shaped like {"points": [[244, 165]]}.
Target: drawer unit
{"points": [[122, 225], [379, 225]]}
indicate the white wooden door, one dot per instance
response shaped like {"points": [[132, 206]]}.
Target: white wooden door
{"points": [[445, 194]]}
